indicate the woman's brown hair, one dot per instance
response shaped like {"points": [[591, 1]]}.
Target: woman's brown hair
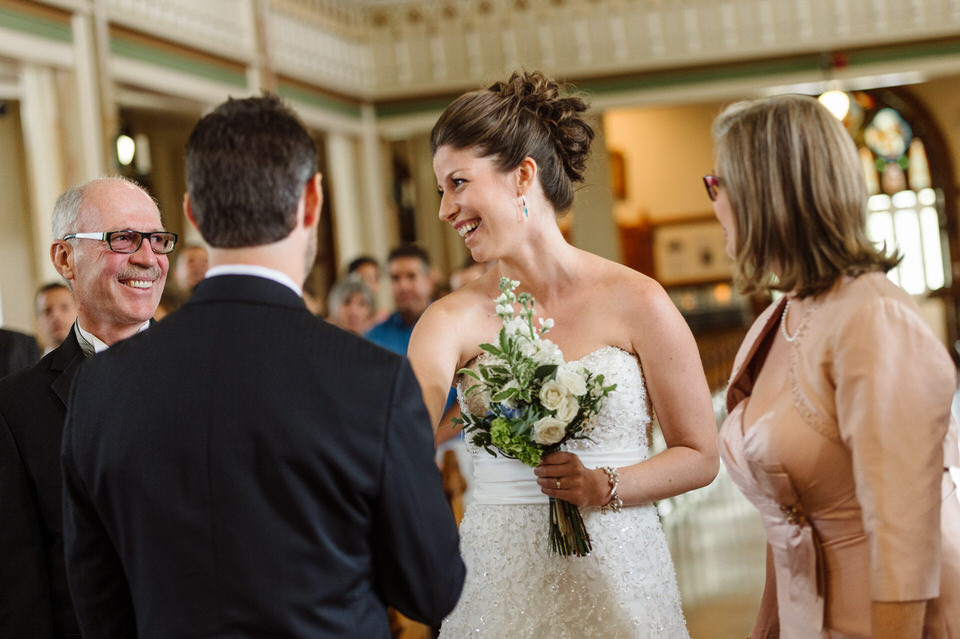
{"points": [[796, 187], [526, 116]]}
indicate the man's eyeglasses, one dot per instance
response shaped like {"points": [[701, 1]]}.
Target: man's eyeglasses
{"points": [[161, 242], [712, 183]]}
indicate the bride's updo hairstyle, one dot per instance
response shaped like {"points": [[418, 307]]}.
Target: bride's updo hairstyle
{"points": [[527, 116]]}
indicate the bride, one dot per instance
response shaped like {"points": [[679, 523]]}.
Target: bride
{"points": [[506, 160]]}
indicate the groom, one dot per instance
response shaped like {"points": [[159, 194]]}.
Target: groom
{"points": [[244, 469]]}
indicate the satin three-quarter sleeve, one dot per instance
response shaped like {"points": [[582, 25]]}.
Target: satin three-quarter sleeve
{"points": [[894, 382]]}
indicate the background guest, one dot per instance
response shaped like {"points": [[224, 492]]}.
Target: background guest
{"points": [[192, 264], [56, 311], [412, 287], [351, 305], [17, 351]]}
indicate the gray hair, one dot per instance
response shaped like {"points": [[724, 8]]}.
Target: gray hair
{"points": [[344, 289], [67, 208]]}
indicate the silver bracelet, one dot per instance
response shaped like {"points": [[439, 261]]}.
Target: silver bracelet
{"points": [[613, 502]]}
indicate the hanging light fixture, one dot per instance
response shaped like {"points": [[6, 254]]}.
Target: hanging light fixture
{"points": [[126, 149], [834, 98], [837, 102]]}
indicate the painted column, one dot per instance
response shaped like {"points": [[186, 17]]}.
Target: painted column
{"points": [[381, 228], [44, 150], [341, 183], [94, 145]]}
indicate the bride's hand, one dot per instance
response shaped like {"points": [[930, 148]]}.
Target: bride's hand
{"points": [[563, 475]]}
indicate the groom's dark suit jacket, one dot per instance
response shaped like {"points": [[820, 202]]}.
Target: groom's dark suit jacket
{"points": [[34, 601], [244, 469]]}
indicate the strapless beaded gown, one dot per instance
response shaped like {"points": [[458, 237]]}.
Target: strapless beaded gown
{"points": [[517, 588]]}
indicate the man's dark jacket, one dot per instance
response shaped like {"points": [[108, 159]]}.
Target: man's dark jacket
{"points": [[245, 469], [34, 601]]}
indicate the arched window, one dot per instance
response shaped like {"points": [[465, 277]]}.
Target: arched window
{"points": [[906, 209]]}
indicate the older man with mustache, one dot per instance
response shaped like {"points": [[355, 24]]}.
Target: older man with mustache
{"points": [[110, 246]]}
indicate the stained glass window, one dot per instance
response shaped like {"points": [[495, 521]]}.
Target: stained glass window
{"points": [[905, 212]]}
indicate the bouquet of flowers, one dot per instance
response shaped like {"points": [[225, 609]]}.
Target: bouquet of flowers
{"points": [[534, 403]]}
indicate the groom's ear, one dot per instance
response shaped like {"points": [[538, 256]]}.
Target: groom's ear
{"points": [[526, 174]]}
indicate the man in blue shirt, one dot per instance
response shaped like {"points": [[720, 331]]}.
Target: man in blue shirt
{"points": [[410, 283]]}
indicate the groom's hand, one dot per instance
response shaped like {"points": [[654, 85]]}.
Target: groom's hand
{"points": [[563, 475]]}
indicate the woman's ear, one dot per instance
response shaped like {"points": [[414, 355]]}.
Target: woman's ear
{"points": [[526, 174]]}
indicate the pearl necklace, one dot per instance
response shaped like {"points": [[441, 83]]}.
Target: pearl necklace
{"points": [[783, 324]]}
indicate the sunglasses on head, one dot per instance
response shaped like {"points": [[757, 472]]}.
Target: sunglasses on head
{"points": [[712, 184]]}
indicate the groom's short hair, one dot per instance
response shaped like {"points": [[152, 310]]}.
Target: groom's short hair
{"points": [[247, 164]]}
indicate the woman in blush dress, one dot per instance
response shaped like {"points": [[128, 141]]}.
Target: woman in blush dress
{"points": [[839, 427], [506, 160]]}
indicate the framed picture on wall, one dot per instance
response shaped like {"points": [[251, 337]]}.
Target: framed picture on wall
{"points": [[691, 251]]}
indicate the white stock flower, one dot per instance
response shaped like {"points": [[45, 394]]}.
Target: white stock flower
{"points": [[568, 409], [546, 324], [548, 431], [571, 380], [549, 353], [515, 326], [552, 395], [504, 309], [528, 347]]}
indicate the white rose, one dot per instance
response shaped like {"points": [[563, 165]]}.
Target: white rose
{"points": [[571, 380], [552, 395], [568, 409], [548, 431]]}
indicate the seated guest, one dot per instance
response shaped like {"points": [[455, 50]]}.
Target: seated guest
{"points": [[56, 313], [351, 305], [839, 427]]}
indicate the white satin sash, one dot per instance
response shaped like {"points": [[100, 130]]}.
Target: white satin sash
{"points": [[499, 480]]}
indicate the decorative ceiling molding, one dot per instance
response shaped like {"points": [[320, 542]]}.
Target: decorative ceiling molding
{"points": [[385, 51]]}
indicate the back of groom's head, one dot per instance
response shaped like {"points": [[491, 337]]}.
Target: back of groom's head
{"points": [[247, 164]]}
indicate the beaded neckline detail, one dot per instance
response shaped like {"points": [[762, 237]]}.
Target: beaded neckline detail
{"points": [[783, 324]]}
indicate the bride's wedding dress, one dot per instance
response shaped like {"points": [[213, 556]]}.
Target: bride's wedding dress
{"points": [[517, 588]]}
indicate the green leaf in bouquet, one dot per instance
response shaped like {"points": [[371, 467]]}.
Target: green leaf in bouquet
{"points": [[497, 370], [493, 350], [473, 389], [544, 371], [469, 372], [504, 342], [505, 394]]}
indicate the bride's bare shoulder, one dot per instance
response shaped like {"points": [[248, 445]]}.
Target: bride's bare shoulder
{"points": [[469, 302], [631, 294]]}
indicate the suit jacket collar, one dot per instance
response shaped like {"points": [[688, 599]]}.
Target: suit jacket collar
{"points": [[64, 361], [245, 288]]}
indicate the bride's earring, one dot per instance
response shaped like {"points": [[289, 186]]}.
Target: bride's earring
{"points": [[523, 207]]}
